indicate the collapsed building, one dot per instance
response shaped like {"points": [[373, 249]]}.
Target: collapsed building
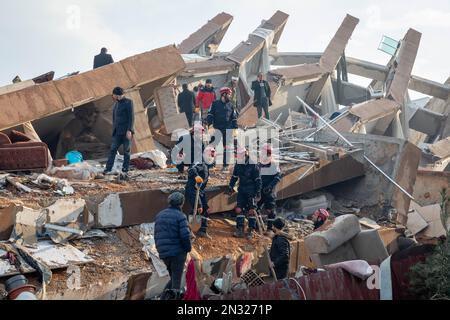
{"points": [[366, 152]]}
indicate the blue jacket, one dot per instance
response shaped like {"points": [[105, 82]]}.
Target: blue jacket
{"points": [[123, 117], [222, 115], [172, 233]]}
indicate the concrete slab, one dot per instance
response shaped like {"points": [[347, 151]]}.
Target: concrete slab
{"points": [[406, 58], [207, 39], [397, 158], [429, 185], [416, 223], [48, 98]]}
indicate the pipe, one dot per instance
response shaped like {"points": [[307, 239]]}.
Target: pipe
{"points": [[63, 229], [351, 145], [324, 126]]}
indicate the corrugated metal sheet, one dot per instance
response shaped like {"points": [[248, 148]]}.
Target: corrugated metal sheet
{"points": [[330, 285]]}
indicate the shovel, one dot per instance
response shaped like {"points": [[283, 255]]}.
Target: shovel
{"points": [[196, 220]]}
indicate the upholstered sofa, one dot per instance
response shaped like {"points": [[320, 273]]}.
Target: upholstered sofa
{"points": [[19, 153]]}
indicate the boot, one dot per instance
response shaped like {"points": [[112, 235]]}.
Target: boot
{"points": [[202, 232], [251, 227], [240, 220], [270, 220]]}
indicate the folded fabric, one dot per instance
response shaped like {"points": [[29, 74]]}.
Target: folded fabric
{"points": [[192, 293], [358, 268]]}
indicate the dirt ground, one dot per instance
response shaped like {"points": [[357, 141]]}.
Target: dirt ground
{"points": [[223, 243], [113, 259]]}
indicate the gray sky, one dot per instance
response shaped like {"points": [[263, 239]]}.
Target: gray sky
{"points": [[39, 36]]}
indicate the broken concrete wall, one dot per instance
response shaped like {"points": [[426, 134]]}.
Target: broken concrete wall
{"points": [[428, 186], [207, 39], [397, 158]]}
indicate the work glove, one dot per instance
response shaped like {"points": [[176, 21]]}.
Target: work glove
{"points": [[198, 180]]}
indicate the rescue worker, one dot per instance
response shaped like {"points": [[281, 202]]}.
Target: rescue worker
{"points": [[222, 116], [102, 59], [262, 96], [249, 190], [173, 242], [190, 147], [270, 176], [205, 98], [198, 176], [280, 252], [319, 218]]}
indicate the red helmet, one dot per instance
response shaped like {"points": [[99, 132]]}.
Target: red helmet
{"points": [[225, 90], [322, 214]]}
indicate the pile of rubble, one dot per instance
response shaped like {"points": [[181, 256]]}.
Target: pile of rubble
{"points": [[371, 156]]}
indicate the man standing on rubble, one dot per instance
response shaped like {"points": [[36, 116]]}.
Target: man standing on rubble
{"points": [[205, 98], [234, 86], [123, 130], [102, 59], [270, 176], [173, 242], [262, 97], [280, 252], [186, 103], [198, 176], [222, 116], [249, 190]]}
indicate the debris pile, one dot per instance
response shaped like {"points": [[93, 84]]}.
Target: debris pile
{"points": [[370, 156]]}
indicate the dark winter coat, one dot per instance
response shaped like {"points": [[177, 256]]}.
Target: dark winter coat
{"points": [[257, 90], [123, 117], [280, 252], [249, 178], [222, 115], [102, 59], [172, 233], [186, 102]]}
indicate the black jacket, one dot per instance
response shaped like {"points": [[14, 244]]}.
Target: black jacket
{"points": [[186, 102], [270, 176], [123, 117], [200, 170], [280, 252], [102, 59], [222, 115], [172, 234], [257, 90], [249, 178]]}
